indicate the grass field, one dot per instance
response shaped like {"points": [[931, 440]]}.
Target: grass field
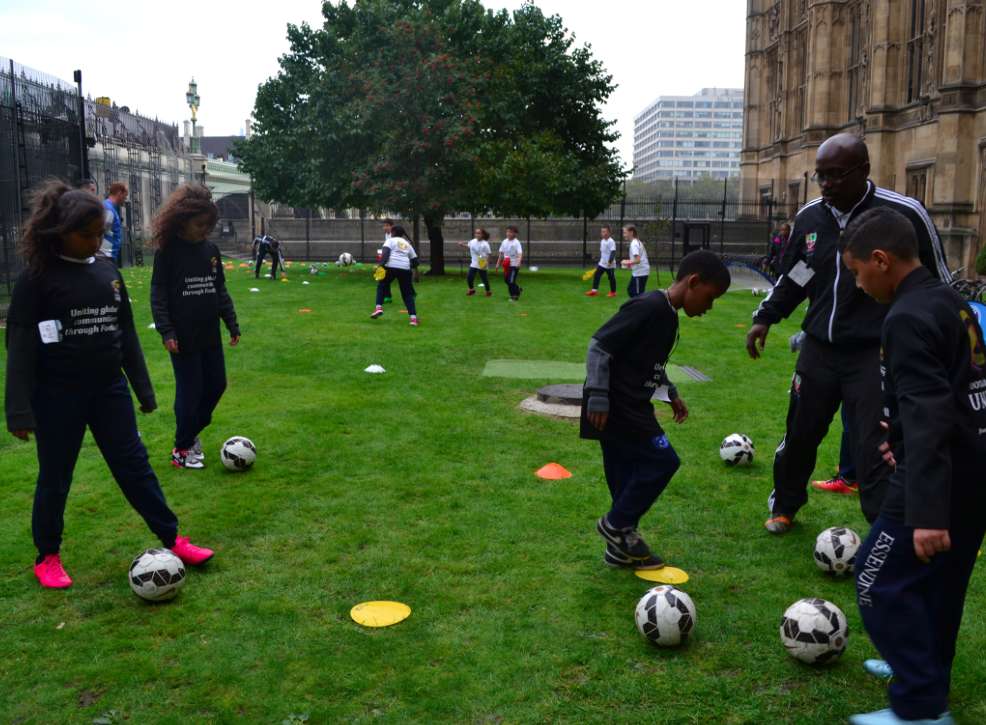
{"points": [[418, 485]]}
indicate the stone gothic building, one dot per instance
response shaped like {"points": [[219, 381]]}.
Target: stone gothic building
{"points": [[908, 75]]}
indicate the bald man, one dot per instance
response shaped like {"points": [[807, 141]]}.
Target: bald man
{"points": [[839, 362]]}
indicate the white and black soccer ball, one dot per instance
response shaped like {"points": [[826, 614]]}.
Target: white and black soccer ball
{"points": [[156, 575], [238, 453], [737, 450], [814, 631], [665, 615], [835, 550], [345, 259]]}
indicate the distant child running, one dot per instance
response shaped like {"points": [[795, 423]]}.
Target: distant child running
{"points": [[913, 570], [71, 348], [398, 259], [479, 254], [188, 298], [607, 263], [626, 362], [637, 263], [510, 256]]}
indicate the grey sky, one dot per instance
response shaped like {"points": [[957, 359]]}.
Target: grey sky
{"points": [[142, 54]]}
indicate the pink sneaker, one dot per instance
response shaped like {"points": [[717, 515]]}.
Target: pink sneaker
{"points": [[51, 574], [414, 322], [190, 553], [470, 293], [611, 294], [378, 310], [592, 293]]}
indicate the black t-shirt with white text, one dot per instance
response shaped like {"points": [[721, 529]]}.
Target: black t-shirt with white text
{"points": [[188, 291], [639, 338], [77, 309]]}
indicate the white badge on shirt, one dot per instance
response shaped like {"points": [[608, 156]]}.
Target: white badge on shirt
{"points": [[51, 331], [801, 274]]}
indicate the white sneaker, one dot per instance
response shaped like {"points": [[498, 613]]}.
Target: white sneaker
{"points": [[196, 450]]}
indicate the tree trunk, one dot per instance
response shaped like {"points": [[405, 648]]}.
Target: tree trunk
{"points": [[436, 240]]}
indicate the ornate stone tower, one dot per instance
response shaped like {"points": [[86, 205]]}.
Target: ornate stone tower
{"points": [[908, 75]]}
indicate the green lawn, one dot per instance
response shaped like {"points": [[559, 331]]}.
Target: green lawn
{"points": [[418, 486]]}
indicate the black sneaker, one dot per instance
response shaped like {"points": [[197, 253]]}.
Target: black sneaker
{"points": [[626, 541], [615, 559]]}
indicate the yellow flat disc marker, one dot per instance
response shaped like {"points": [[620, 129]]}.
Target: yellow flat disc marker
{"points": [[379, 614], [667, 575]]}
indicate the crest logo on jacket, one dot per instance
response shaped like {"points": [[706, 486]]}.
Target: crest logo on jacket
{"points": [[810, 241], [115, 284]]}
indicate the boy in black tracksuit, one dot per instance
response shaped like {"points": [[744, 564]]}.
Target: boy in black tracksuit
{"points": [[839, 362], [913, 569], [262, 246], [625, 364]]}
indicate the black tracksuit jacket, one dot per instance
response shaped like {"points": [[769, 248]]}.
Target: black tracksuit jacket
{"points": [[934, 378], [838, 312]]}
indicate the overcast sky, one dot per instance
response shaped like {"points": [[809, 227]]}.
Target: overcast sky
{"points": [[142, 54]]}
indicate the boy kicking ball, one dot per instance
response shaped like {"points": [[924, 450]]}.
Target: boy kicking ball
{"points": [[914, 567], [625, 364]]}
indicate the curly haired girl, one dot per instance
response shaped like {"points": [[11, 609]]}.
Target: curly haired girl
{"points": [[188, 298], [70, 340]]}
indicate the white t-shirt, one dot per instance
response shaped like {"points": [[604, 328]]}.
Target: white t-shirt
{"points": [[637, 249], [511, 249], [607, 247], [478, 249], [401, 253]]}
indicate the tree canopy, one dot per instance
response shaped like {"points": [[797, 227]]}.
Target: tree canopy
{"points": [[423, 107]]}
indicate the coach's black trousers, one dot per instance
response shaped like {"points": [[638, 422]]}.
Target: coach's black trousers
{"points": [[824, 377]]}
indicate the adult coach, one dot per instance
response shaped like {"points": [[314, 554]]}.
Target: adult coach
{"points": [[840, 359], [113, 236]]}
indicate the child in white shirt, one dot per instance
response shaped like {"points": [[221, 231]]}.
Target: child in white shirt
{"points": [[510, 256], [479, 252], [637, 263], [606, 265]]}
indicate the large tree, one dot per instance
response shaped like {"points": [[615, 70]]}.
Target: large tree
{"points": [[423, 107]]}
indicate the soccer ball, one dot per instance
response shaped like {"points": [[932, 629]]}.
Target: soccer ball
{"points": [[737, 450], [345, 259], [156, 575], [238, 453], [665, 615], [835, 550], [814, 631]]}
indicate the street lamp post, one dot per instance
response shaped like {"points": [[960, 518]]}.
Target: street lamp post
{"points": [[192, 98]]}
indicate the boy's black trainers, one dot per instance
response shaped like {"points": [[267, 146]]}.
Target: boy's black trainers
{"points": [[615, 559], [626, 541]]}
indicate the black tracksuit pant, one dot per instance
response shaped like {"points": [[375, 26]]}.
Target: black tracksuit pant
{"points": [[597, 277], [200, 381], [637, 472], [638, 285], [262, 251], [826, 376], [403, 277], [471, 278], [912, 610], [510, 277], [61, 418]]}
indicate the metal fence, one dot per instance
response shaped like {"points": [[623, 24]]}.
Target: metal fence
{"points": [[670, 228], [40, 136]]}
